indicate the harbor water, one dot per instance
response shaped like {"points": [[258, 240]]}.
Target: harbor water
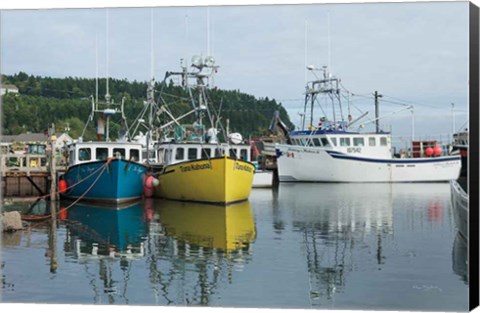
{"points": [[323, 246]]}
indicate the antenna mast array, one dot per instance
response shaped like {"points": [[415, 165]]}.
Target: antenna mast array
{"points": [[328, 85]]}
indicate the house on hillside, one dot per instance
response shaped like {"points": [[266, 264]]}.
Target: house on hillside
{"points": [[8, 88]]}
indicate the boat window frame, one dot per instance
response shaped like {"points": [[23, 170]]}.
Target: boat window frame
{"points": [[383, 141], [316, 142], [345, 140], [333, 141], [134, 154], [160, 154], [370, 142], [325, 142], [177, 151], [122, 156], [81, 158], [97, 153], [71, 156], [244, 154], [206, 153], [356, 142], [189, 157], [167, 156]]}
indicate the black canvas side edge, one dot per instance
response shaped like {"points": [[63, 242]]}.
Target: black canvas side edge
{"points": [[473, 160]]}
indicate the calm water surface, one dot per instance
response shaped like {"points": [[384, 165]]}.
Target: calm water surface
{"points": [[342, 246]]}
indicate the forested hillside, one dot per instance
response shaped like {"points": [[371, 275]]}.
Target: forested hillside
{"points": [[67, 101]]}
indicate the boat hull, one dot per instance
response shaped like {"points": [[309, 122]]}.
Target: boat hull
{"points": [[121, 181], [297, 163], [460, 207], [263, 179], [219, 180]]}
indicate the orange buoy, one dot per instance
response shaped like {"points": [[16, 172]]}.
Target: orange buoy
{"points": [[62, 214], [429, 151], [437, 151], [149, 183], [62, 186]]}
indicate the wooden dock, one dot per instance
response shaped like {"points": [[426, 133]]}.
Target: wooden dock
{"points": [[24, 175]]}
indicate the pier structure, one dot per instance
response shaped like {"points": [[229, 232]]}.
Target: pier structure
{"points": [[24, 175]]}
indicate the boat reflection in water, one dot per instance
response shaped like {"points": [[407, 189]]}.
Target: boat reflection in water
{"points": [[195, 249], [459, 257], [112, 231], [227, 228], [344, 223]]}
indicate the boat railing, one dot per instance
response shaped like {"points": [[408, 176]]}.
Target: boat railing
{"points": [[190, 132]]}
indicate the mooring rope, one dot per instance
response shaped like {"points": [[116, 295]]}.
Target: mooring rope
{"points": [[43, 217], [74, 185]]}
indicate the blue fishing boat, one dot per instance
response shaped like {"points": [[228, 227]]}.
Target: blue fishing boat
{"points": [[104, 172]]}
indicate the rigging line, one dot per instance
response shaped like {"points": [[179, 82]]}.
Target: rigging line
{"points": [[414, 103], [320, 105], [104, 166]]}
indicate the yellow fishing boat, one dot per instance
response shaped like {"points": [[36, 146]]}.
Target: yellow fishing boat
{"points": [[191, 162], [219, 180], [228, 228]]}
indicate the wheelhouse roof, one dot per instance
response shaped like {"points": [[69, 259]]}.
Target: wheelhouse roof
{"points": [[332, 132]]}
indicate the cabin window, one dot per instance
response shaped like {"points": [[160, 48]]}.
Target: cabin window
{"points": [[383, 141], [302, 142], [372, 142], [325, 142], [206, 153], [316, 142], [358, 142], [119, 153], [135, 155], [244, 154], [344, 142], [167, 156], [233, 153], [101, 153], [72, 156], [161, 155], [179, 154], [218, 152], [84, 154], [334, 141], [192, 153]]}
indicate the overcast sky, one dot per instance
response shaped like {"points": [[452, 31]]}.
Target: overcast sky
{"points": [[411, 51]]}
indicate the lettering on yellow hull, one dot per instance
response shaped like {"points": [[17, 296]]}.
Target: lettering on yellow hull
{"points": [[220, 180]]}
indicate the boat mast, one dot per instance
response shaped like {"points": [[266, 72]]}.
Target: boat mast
{"points": [[328, 85], [377, 111], [150, 89], [107, 94]]}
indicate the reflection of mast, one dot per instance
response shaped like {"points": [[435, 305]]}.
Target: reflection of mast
{"points": [[105, 274], [331, 230], [52, 240], [199, 256]]}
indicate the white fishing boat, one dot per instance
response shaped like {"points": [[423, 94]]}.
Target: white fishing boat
{"points": [[332, 152], [263, 179]]}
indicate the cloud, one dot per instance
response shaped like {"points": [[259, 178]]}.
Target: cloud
{"points": [[415, 51]]}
